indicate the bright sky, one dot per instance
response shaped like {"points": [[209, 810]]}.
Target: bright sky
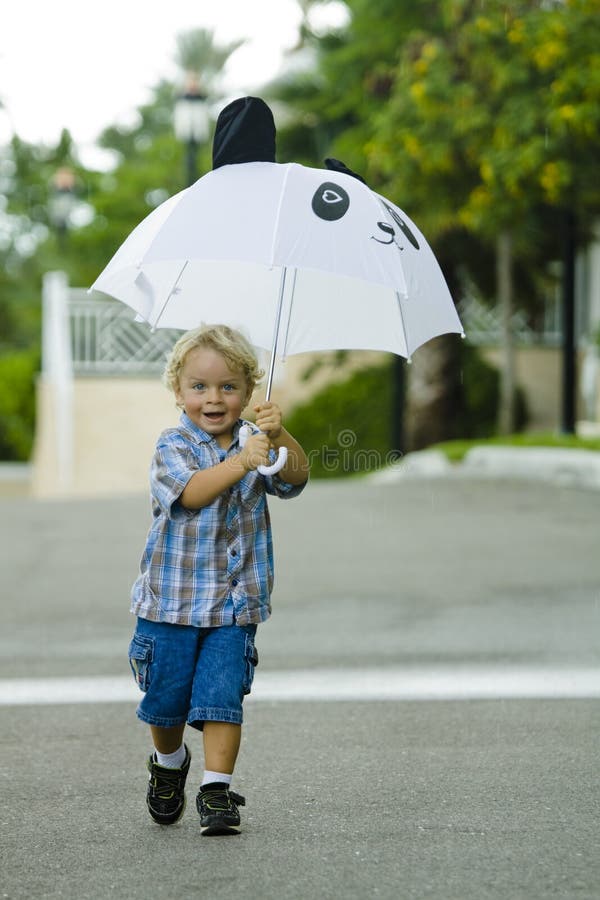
{"points": [[82, 66]]}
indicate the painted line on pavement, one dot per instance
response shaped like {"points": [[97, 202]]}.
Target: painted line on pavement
{"points": [[451, 683]]}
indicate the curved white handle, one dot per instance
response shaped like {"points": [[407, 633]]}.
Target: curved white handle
{"points": [[245, 432], [277, 465]]}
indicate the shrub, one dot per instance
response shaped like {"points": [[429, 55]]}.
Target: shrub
{"points": [[481, 396], [345, 428], [17, 403]]}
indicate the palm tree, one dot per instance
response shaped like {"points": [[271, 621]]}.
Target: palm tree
{"points": [[197, 54], [201, 60]]}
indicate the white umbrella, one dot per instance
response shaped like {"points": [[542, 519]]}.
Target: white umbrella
{"points": [[299, 258], [261, 245]]}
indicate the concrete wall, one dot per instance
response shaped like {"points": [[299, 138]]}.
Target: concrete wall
{"points": [[539, 374], [115, 425]]}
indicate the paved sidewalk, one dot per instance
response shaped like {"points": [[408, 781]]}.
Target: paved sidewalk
{"points": [[347, 799]]}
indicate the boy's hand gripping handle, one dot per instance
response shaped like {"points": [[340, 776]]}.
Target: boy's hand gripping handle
{"points": [[245, 432]]}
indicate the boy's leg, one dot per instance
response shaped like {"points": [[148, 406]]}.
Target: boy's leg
{"points": [[221, 746], [167, 740], [163, 660], [216, 803], [165, 796], [223, 676]]}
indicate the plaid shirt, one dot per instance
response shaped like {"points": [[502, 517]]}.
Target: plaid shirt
{"points": [[211, 566]]}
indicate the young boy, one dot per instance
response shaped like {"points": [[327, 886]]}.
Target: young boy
{"points": [[207, 571]]}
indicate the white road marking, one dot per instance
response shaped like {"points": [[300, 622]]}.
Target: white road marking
{"points": [[450, 683]]}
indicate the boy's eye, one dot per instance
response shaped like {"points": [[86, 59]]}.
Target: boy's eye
{"points": [[229, 387], [199, 386]]}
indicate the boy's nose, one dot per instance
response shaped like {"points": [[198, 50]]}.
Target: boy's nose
{"points": [[212, 395]]}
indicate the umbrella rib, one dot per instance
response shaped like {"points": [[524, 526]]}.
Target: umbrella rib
{"points": [[408, 353], [169, 295], [289, 315], [278, 214]]}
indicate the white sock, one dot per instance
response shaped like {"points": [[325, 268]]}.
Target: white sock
{"points": [[209, 777], [171, 760]]}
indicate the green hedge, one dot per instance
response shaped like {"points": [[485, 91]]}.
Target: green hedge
{"points": [[345, 428], [18, 371]]}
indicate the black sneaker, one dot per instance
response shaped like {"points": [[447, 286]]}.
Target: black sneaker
{"points": [[165, 796], [218, 809]]}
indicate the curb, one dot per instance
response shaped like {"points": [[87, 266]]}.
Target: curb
{"points": [[556, 465]]}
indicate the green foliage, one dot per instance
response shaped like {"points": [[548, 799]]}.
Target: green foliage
{"points": [[346, 427], [17, 404], [496, 115]]}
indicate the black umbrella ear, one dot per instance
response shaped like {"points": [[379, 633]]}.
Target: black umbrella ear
{"points": [[245, 132], [336, 165]]}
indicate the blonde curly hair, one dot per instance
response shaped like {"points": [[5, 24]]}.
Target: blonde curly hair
{"points": [[230, 343]]}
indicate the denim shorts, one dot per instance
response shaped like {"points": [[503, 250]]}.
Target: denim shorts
{"points": [[192, 674]]}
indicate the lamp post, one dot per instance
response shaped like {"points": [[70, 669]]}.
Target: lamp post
{"points": [[62, 202], [191, 122], [569, 363]]}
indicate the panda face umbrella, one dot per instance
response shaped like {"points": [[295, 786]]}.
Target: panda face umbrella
{"points": [[299, 258]]}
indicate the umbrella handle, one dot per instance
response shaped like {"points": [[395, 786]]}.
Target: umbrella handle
{"points": [[244, 434]]}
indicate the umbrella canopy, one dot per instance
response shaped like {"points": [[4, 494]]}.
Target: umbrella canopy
{"points": [[311, 256]]}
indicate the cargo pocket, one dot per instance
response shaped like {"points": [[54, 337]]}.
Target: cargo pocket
{"points": [[251, 663], [141, 652]]}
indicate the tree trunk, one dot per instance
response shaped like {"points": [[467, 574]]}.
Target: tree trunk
{"points": [[504, 296], [434, 394]]}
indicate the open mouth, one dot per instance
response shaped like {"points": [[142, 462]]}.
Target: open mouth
{"points": [[214, 416]]}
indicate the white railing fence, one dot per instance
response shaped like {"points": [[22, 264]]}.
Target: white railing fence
{"points": [[107, 340], [484, 326]]}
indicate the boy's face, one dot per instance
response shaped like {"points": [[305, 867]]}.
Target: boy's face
{"points": [[212, 394]]}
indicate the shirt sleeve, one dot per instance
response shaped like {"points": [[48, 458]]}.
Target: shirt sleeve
{"points": [[172, 467], [278, 487]]}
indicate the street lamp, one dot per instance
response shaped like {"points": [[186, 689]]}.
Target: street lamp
{"points": [[62, 201], [191, 122]]}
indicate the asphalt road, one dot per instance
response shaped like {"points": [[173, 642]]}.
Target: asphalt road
{"points": [[427, 799]]}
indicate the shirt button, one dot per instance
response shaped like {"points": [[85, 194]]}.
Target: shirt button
{"points": [[234, 582], [234, 552]]}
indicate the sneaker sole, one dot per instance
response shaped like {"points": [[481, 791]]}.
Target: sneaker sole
{"points": [[210, 830]]}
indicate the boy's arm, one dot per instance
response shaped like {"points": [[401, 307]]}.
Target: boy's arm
{"points": [[297, 467], [205, 485]]}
